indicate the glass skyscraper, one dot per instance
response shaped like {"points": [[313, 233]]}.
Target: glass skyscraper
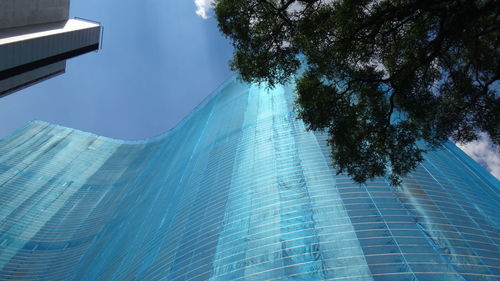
{"points": [[239, 190]]}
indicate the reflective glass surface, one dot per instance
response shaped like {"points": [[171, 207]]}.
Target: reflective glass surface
{"points": [[239, 190]]}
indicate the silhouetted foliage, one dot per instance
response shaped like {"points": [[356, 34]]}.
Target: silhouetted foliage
{"points": [[436, 62]]}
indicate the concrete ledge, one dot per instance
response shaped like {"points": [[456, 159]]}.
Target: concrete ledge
{"points": [[18, 51]]}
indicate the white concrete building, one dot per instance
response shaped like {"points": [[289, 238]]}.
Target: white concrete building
{"points": [[36, 38]]}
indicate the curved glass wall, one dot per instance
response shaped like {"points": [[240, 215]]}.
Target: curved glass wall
{"points": [[238, 191]]}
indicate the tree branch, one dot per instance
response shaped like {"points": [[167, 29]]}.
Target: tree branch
{"points": [[391, 109]]}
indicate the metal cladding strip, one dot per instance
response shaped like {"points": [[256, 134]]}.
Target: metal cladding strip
{"points": [[239, 190]]}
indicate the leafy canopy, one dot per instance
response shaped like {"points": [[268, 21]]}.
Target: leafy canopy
{"points": [[382, 77]]}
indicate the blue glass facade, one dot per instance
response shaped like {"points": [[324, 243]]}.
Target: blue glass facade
{"points": [[239, 190]]}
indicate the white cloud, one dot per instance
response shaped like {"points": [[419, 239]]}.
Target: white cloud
{"points": [[484, 152], [203, 7]]}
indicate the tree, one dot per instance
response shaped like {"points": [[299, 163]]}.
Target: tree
{"points": [[387, 79]]}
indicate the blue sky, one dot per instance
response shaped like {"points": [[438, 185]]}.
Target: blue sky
{"points": [[159, 60]]}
